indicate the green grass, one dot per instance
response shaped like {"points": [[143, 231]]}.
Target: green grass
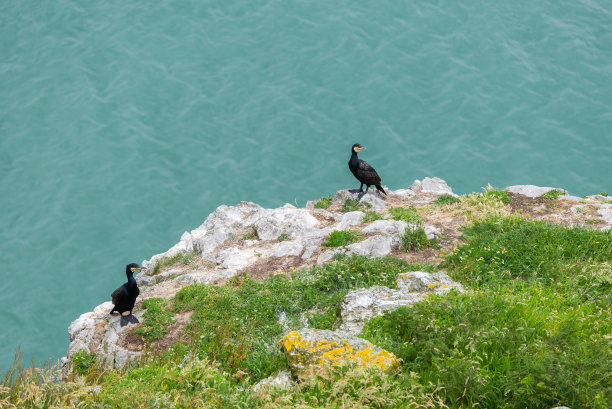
{"points": [[553, 194], [323, 203], [237, 324], [532, 332], [500, 195], [371, 215], [605, 194], [415, 239], [249, 236], [83, 361], [410, 214], [342, 238], [344, 386], [512, 247], [283, 237], [156, 319], [179, 258], [446, 199], [352, 205]]}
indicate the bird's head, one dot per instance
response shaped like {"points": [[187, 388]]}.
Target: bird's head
{"points": [[357, 147], [132, 268]]}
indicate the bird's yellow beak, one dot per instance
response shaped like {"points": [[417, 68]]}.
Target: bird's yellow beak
{"points": [[136, 269], [360, 148]]}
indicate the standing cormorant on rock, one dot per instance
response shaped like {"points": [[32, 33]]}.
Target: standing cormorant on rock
{"points": [[124, 297], [363, 171]]}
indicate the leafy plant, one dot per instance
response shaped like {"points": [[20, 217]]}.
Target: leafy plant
{"points": [[553, 194], [371, 215], [323, 203], [178, 258], [342, 238], [83, 361], [352, 205], [446, 199], [283, 237], [410, 215], [415, 239]]}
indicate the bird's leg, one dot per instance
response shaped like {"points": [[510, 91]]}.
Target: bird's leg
{"points": [[133, 319], [361, 188], [367, 188]]}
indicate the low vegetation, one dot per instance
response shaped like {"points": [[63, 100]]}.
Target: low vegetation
{"points": [[408, 214], [178, 259], [446, 199], [532, 330], [415, 239], [156, 319], [352, 205], [553, 194], [342, 238], [371, 215], [323, 203]]}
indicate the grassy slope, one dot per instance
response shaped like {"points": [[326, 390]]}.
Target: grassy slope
{"points": [[532, 331]]}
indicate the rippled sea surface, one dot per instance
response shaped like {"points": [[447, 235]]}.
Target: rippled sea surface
{"points": [[123, 124]]}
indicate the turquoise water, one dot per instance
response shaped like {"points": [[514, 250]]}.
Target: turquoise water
{"points": [[123, 124]]}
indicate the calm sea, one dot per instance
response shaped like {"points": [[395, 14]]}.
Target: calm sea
{"points": [[123, 124]]}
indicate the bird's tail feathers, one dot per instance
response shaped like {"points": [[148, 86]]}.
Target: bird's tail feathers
{"points": [[380, 189]]}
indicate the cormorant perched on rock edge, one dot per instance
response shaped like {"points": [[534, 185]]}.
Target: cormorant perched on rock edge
{"points": [[363, 171], [124, 297]]}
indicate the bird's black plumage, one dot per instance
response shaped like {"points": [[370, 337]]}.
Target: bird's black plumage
{"points": [[124, 297], [363, 171]]}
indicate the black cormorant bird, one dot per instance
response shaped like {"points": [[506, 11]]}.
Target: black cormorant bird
{"points": [[363, 171], [124, 297]]}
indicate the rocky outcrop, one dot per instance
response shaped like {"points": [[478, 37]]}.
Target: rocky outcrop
{"points": [[307, 349], [247, 238], [360, 305], [531, 190]]}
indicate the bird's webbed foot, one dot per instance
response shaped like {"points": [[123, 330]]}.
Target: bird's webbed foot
{"points": [[128, 319]]}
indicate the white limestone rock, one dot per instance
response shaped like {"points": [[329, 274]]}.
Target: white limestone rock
{"points": [[431, 232], [83, 331], [328, 255], [605, 213], [571, 198], [307, 349], [362, 304], [280, 380], [351, 219], [390, 227], [531, 190], [431, 185], [237, 259], [271, 223], [226, 217], [421, 282], [372, 197], [405, 193], [375, 246], [288, 248]]}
